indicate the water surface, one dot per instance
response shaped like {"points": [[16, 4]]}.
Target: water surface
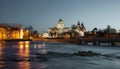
{"points": [[22, 55]]}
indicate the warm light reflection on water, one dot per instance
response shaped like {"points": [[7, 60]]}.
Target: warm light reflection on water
{"points": [[1, 49], [35, 46], [21, 55], [24, 51], [41, 47], [1, 54], [29, 52], [23, 65]]}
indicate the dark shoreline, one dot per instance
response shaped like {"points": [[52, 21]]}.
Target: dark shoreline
{"points": [[73, 41], [16, 40], [80, 41], [84, 41]]}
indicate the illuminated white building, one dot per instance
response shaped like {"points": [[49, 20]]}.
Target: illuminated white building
{"points": [[80, 29], [60, 24], [60, 30], [45, 35]]}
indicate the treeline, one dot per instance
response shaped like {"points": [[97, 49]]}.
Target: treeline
{"points": [[107, 32], [31, 33]]}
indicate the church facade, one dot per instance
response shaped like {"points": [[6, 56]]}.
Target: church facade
{"points": [[60, 31]]}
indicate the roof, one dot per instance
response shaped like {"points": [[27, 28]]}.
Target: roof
{"points": [[60, 20]]}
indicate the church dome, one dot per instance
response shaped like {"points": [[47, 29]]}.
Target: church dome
{"points": [[60, 21], [60, 24]]}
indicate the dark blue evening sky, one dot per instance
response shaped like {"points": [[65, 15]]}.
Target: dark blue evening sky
{"points": [[43, 14]]}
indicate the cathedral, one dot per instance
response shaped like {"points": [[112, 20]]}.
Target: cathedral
{"points": [[61, 31], [80, 29]]}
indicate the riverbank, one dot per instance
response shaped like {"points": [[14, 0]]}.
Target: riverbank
{"points": [[80, 41], [85, 41], [15, 40], [73, 41]]}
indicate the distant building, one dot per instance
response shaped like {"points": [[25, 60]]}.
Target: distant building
{"points": [[10, 31], [58, 30], [16, 32], [61, 31], [3, 32], [60, 24], [45, 35], [80, 29]]}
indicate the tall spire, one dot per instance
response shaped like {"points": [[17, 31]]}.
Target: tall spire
{"points": [[78, 24], [82, 25]]}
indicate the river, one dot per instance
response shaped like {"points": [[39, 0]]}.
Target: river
{"points": [[22, 55]]}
